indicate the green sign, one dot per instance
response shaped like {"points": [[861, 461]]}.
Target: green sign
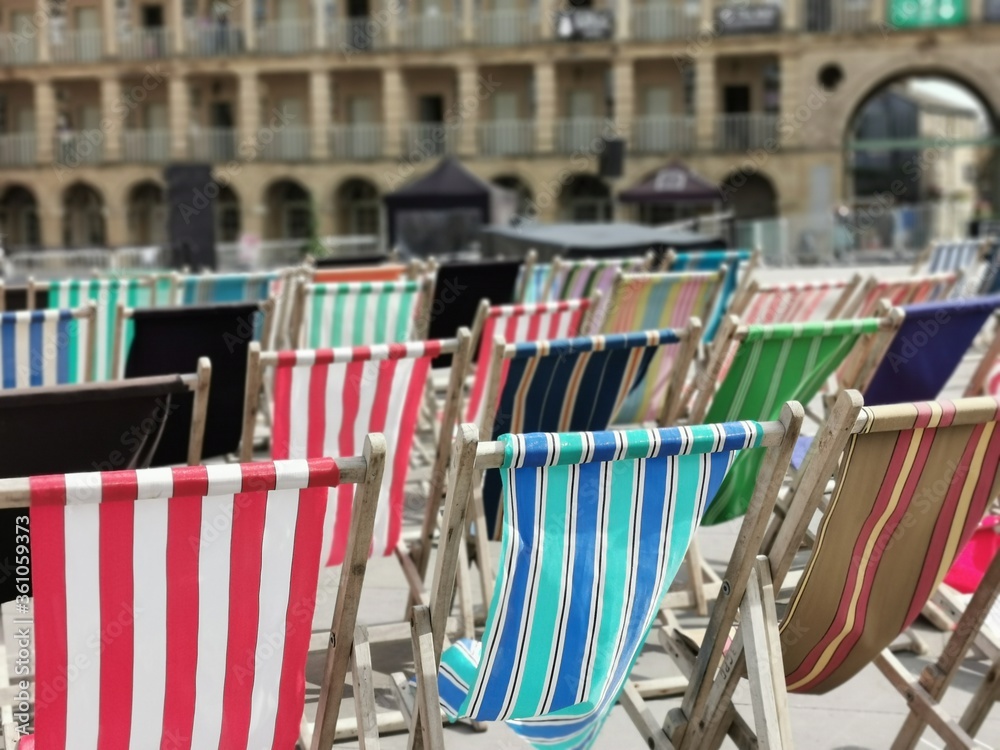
{"points": [[915, 14]]}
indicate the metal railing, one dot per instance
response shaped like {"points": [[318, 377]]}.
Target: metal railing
{"points": [[213, 40], [18, 149], [507, 28], [839, 15], [73, 148], [84, 45], [745, 131], [212, 144], [145, 44], [428, 31], [580, 133], [148, 146], [365, 141], [18, 49], [358, 35], [61, 263], [653, 133], [290, 143], [285, 37], [507, 137], [429, 139], [659, 19]]}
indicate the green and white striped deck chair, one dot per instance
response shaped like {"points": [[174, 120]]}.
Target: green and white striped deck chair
{"points": [[106, 294], [596, 525], [363, 313], [646, 301]]}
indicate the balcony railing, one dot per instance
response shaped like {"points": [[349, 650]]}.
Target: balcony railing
{"points": [[844, 15], [148, 146], [18, 149], [744, 131], [17, 49], [213, 144], [213, 40], [73, 148], [580, 134], [76, 46], [657, 133], [288, 143], [507, 28], [507, 138], [357, 142], [359, 35], [145, 44], [429, 139], [285, 37], [658, 19], [429, 31]]}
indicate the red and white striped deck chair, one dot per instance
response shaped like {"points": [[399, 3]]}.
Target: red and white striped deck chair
{"points": [[794, 302], [985, 381], [901, 292], [173, 607], [515, 324]]}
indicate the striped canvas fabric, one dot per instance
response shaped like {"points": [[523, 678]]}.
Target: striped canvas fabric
{"points": [[775, 364], [534, 286], [658, 300], [206, 289], [792, 303], [106, 294], [993, 380], [907, 292], [595, 528], [549, 320], [327, 400], [913, 488], [43, 347], [954, 256], [582, 278], [569, 385], [360, 313], [713, 260], [179, 602]]}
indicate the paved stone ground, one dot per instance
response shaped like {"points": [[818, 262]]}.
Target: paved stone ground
{"points": [[865, 713]]}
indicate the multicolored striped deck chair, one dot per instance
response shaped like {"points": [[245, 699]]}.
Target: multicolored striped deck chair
{"points": [[216, 288], [46, 347], [595, 528], [532, 280], [641, 302], [515, 323], [908, 291], [954, 255], [911, 487], [739, 264], [576, 279], [327, 400], [361, 313], [106, 294], [181, 600]]}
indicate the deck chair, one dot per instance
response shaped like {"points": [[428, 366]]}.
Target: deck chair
{"points": [[622, 506], [360, 313], [801, 302], [576, 279], [641, 302], [906, 291], [106, 294], [219, 288], [985, 381], [531, 279], [185, 655], [359, 274], [739, 266], [912, 484], [46, 347], [954, 255]]}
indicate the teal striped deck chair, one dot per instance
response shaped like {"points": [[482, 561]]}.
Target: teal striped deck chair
{"points": [[773, 364], [212, 288], [533, 282], [106, 294], [738, 263], [595, 528], [362, 313], [46, 347]]}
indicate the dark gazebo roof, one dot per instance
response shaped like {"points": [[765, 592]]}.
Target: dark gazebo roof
{"points": [[674, 183]]}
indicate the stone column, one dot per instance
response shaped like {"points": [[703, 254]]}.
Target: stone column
{"points": [[319, 111], [468, 107], [111, 121], [790, 14], [623, 95], [708, 13], [109, 27], [468, 10], [248, 119], [249, 24], [545, 107], [879, 16], [623, 20], [706, 97], [179, 98], [116, 225], [44, 29], [319, 23], [547, 18], [45, 119], [175, 26], [393, 110]]}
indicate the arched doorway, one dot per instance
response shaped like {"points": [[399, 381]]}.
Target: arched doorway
{"points": [[585, 199], [147, 215], [83, 217], [359, 210], [525, 200], [19, 227], [750, 197], [228, 218], [289, 211]]}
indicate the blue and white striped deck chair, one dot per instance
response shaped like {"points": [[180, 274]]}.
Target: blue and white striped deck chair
{"points": [[955, 255], [738, 264], [595, 528], [212, 288], [46, 347]]}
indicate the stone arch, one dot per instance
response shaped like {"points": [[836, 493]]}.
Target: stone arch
{"points": [[357, 205], [289, 210], [19, 223], [750, 196], [84, 216], [146, 209]]}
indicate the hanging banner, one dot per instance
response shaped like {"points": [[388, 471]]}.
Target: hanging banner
{"points": [[915, 14]]}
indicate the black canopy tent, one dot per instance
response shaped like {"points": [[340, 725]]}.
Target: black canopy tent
{"points": [[674, 183], [443, 211]]}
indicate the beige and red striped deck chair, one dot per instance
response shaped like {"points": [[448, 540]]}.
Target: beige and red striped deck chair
{"points": [[179, 602], [800, 302], [905, 291], [913, 483]]}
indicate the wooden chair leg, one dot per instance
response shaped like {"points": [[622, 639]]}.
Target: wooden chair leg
{"points": [[364, 691], [696, 581], [466, 605], [425, 731], [981, 703]]}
